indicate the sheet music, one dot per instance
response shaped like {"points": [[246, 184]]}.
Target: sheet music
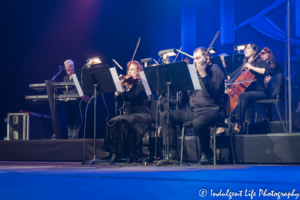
{"points": [[116, 80], [145, 83], [194, 77], [78, 87]]}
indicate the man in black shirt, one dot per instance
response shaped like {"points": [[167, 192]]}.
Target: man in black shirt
{"points": [[207, 106]]}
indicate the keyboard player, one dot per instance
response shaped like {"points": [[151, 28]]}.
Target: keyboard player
{"points": [[72, 107]]}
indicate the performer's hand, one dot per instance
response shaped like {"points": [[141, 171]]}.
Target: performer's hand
{"points": [[227, 90], [249, 66], [86, 98], [267, 79], [117, 93], [227, 80]]}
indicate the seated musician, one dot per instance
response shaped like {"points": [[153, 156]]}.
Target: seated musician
{"points": [[274, 67], [72, 107], [206, 106], [256, 89], [124, 133]]}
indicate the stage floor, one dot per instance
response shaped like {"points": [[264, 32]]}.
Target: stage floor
{"points": [[71, 180]]}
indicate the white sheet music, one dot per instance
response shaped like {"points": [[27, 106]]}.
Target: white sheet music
{"points": [[145, 83], [78, 87], [194, 77], [116, 80]]}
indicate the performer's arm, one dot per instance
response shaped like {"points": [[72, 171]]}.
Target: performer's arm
{"points": [[214, 83], [133, 93], [263, 68]]}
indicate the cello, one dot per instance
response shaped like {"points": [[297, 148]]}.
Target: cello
{"points": [[241, 82]]}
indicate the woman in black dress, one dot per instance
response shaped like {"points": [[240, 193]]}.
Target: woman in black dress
{"points": [[124, 133], [256, 89]]}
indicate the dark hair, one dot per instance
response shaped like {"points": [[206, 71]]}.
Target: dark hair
{"points": [[203, 51], [255, 48], [271, 59]]}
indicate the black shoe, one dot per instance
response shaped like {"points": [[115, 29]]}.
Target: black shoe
{"points": [[138, 160], [222, 133], [206, 157], [173, 154], [129, 160], [53, 137], [114, 158], [236, 132]]}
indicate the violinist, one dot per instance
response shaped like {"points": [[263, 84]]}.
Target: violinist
{"points": [[124, 133], [207, 106], [256, 90]]}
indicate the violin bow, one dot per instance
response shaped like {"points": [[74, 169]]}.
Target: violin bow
{"points": [[177, 55], [137, 45], [212, 42]]}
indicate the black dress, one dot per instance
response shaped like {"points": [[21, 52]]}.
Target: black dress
{"points": [[124, 133]]}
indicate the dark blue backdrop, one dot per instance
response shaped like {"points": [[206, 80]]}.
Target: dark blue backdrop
{"points": [[37, 36]]}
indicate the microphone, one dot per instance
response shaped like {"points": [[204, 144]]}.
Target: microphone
{"points": [[117, 64], [61, 67]]}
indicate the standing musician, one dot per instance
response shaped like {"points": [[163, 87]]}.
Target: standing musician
{"points": [[124, 133], [207, 106], [72, 108], [256, 89]]}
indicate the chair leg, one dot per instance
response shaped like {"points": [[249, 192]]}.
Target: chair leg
{"points": [[182, 139], [215, 152], [232, 151], [278, 113]]}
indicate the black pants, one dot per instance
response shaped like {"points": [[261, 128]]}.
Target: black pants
{"points": [[72, 115], [245, 99], [201, 124]]}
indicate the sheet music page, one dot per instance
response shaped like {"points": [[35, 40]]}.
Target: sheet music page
{"points": [[78, 87], [194, 76], [145, 83], [116, 80]]}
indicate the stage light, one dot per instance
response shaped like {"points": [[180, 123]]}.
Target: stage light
{"points": [[212, 50], [92, 61], [240, 48], [167, 53], [147, 62]]}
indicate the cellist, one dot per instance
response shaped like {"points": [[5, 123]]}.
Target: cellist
{"points": [[256, 90]]}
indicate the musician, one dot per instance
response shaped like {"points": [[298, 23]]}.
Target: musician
{"points": [[124, 133], [186, 59], [72, 108], [274, 67], [207, 106], [256, 89]]}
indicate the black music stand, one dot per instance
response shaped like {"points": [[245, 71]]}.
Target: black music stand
{"points": [[232, 62], [94, 81], [163, 77]]}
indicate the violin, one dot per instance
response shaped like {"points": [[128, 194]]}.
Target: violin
{"points": [[130, 80]]}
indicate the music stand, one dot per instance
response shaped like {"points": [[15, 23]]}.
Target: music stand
{"points": [[232, 62], [178, 76], [95, 81]]}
